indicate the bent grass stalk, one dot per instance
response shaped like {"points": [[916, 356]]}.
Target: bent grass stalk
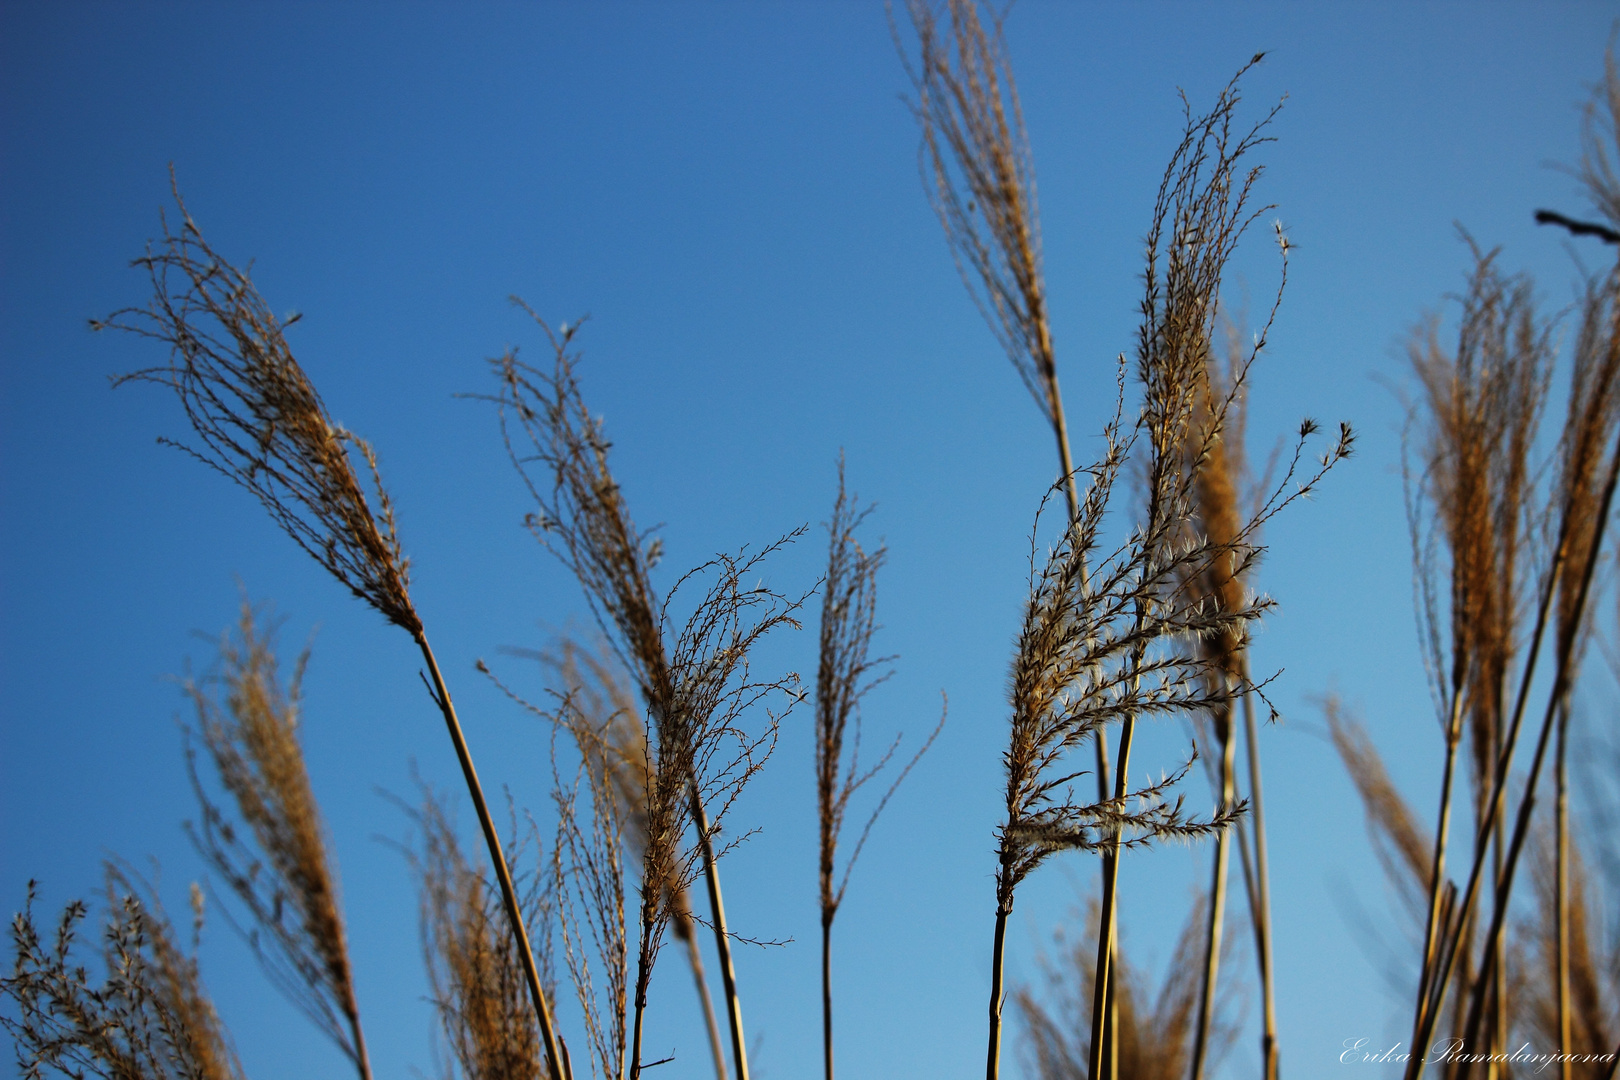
{"points": [[261, 423]]}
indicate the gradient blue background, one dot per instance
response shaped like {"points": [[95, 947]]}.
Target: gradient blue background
{"points": [[731, 191]]}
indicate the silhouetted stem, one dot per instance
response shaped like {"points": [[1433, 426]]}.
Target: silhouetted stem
{"points": [[1105, 936], [826, 995], [710, 1021], [497, 856], [993, 1065], [1561, 899], [362, 1060], [717, 908], [1217, 904], [1437, 865], [1262, 891]]}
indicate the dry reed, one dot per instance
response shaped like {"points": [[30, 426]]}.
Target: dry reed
{"points": [[1579, 502], [980, 179], [1217, 515], [694, 678], [845, 673], [1484, 404], [1156, 1030], [278, 866], [1202, 211], [979, 174], [477, 980], [606, 722], [1568, 988], [149, 1019], [262, 424]]}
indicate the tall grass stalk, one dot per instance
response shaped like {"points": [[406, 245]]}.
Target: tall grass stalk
{"points": [[260, 422], [846, 671], [601, 709], [1485, 404], [694, 678]]}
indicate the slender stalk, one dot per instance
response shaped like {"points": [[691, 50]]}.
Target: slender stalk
{"points": [[826, 996], [1217, 903], [362, 1060], [710, 1021], [643, 977], [1561, 897], [1429, 1004], [1105, 936], [497, 856], [722, 940], [1262, 915], [1437, 866], [993, 1066]]}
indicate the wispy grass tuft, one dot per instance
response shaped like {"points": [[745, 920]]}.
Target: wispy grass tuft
{"points": [[149, 1019], [694, 678], [261, 423], [272, 854], [477, 979]]}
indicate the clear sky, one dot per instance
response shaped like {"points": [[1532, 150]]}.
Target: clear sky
{"points": [[731, 192]]}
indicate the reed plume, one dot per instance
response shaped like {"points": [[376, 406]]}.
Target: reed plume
{"points": [[606, 722], [980, 178], [979, 175], [260, 422], [1202, 211], [1156, 1029], [846, 672], [149, 1019], [1577, 526], [477, 980], [1568, 984], [1217, 515], [694, 679], [273, 853], [1483, 405]]}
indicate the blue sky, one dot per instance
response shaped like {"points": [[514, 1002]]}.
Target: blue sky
{"points": [[731, 192]]}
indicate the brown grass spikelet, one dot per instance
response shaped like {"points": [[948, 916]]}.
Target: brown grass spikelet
{"points": [[259, 420], [150, 1019], [272, 854], [598, 706], [1155, 1028], [980, 178], [1592, 976], [1397, 839], [694, 678], [478, 983], [1484, 403]]}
